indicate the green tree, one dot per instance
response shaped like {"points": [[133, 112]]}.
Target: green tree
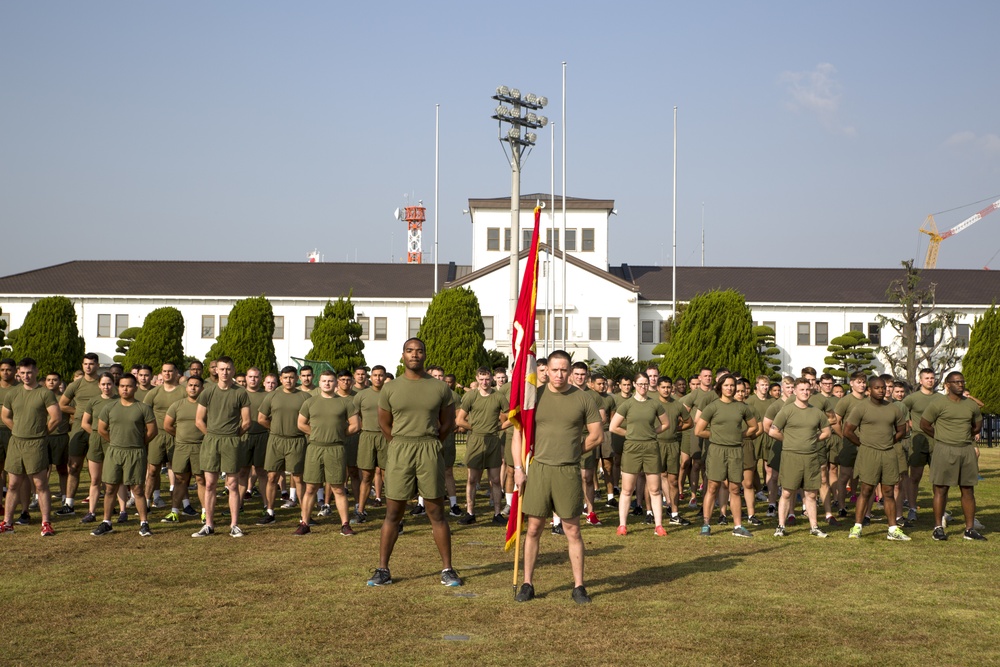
{"points": [[716, 330], [848, 354], [125, 342], [5, 350], [159, 340], [767, 349], [336, 336], [50, 336], [620, 367], [248, 338], [453, 332], [497, 359], [981, 365], [923, 333], [667, 330]]}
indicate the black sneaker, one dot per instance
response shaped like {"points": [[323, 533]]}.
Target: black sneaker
{"points": [[189, 511], [123, 517], [144, 530], [557, 529], [867, 521], [754, 521], [525, 594], [500, 519], [65, 510], [360, 517], [103, 528], [380, 578], [247, 495], [418, 510], [842, 513], [612, 505], [400, 527], [580, 596], [467, 519], [974, 535], [723, 520], [455, 510], [265, 520], [450, 578], [23, 519], [88, 518], [637, 510], [679, 521], [939, 534], [649, 519]]}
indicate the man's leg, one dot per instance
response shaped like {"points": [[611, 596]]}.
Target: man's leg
{"points": [[271, 490], [95, 470], [889, 504], [968, 505], [735, 504], [390, 530], [152, 480], [13, 493], [440, 529], [709, 501], [181, 481], [656, 503], [475, 474], [784, 503], [211, 479], [748, 491], [625, 497], [810, 505], [235, 500], [496, 492], [308, 500], [589, 494], [607, 465], [41, 482], [574, 545], [110, 491], [367, 475], [341, 499], [139, 491], [531, 536], [73, 482], [940, 501], [867, 491]]}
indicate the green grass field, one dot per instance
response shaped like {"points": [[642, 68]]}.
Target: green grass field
{"points": [[274, 598]]}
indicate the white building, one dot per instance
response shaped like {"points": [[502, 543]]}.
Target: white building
{"points": [[610, 311]]}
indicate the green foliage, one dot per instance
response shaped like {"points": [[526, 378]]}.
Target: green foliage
{"points": [[160, 339], [453, 332], [716, 330], [668, 329], [336, 336], [981, 365], [848, 354], [767, 349], [248, 337], [50, 336], [124, 342], [618, 367], [497, 359], [5, 350]]}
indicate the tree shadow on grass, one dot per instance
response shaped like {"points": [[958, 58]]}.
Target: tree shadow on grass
{"points": [[545, 559]]}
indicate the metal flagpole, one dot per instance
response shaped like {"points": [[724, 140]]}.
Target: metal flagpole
{"points": [[437, 143], [673, 279], [564, 205], [550, 294]]}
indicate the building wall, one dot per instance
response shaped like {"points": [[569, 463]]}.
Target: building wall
{"points": [[485, 219]]}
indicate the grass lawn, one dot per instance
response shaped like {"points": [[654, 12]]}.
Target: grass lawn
{"points": [[274, 598]]}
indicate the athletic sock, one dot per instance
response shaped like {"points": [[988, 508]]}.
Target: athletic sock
{"points": [[320, 495], [857, 525], [175, 510], [156, 495], [292, 495], [674, 515], [68, 502], [171, 488], [611, 496], [186, 503], [556, 520], [270, 511], [453, 499], [420, 500]]}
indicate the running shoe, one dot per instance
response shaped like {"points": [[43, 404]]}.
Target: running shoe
{"points": [[66, 510], [499, 520], [740, 531], [266, 519], [947, 518], [842, 513], [939, 534], [867, 521], [816, 532], [660, 531], [88, 518], [23, 519], [525, 594], [189, 510], [302, 529], [346, 530], [761, 496], [103, 528], [580, 596], [593, 520], [33, 505], [236, 531], [754, 521], [144, 530], [649, 518], [973, 535], [976, 525], [123, 517], [360, 517], [418, 510], [723, 520], [450, 578], [380, 578], [612, 504], [790, 521], [173, 517], [771, 512], [377, 502], [467, 519], [455, 510], [637, 510], [288, 504], [911, 515], [130, 502], [678, 520], [159, 503], [325, 511], [855, 532], [505, 511], [779, 531], [622, 530], [706, 530], [897, 535], [205, 531], [832, 521], [48, 531], [6, 527], [558, 529]]}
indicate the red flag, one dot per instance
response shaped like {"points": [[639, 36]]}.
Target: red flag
{"points": [[522, 391]]}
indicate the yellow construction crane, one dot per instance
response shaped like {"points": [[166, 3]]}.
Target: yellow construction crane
{"points": [[930, 228]]}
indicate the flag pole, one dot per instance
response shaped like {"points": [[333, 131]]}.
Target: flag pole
{"points": [[517, 548]]}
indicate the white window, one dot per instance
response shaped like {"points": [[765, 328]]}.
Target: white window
{"points": [[803, 333], [488, 327], [595, 328], [363, 321], [571, 240], [381, 328], [587, 240], [493, 238], [279, 327], [822, 333], [223, 322], [412, 327], [208, 326], [104, 326], [310, 325], [121, 324], [648, 331], [614, 328]]}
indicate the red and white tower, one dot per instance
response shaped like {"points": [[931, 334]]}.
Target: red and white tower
{"points": [[414, 217]]}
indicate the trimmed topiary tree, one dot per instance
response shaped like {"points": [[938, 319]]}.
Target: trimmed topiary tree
{"points": [[767, 349], [125, 342], [453, 332], [50, 336], [981, 365], [336, 336], [848, 354], [716, 330], [248, 338], [160, 339]]}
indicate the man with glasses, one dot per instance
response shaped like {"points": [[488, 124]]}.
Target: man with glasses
{"points": [[827, 403]]}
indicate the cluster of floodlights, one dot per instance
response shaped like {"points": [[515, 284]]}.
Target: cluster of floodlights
{"points": [[512, 114]]}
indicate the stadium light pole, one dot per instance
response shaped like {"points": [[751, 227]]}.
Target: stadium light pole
{"points": [[521, 117]]}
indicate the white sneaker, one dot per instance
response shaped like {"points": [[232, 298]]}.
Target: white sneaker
{"points": [[946, 519], [205, 531], [130, 502], [235, 531], [977, 526], [159, 503], [325, 511], [288, 504], [761, 496]]}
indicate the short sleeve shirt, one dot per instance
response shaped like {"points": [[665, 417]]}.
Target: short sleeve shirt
{"points": [[953, 420], [184, 413], [80, 393], [256, 400], [366, 403], [328, 417], [644, 417], [560, 421], [415, 405], [876, 423], [282, 408], [127, 423], [800, 427], [727, 421], [224, 407], [676, 412], [160, 399], [484, 411], [29, 410]]}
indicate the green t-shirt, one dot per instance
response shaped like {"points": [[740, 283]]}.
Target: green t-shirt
{"points": [[80, 393], [676, 413], [3, 395], [953, 420], [94, 410], [702, 398], [282, 408], [561, 419], [483, 412], [159, 398], [777, 406], [366, 404], [184, 413], [876, 423], [415, 405], [827, 404], [256, 400], [845, 404], [29, 410], [141, 394], [918, 402], [800, 427], [645, 416], [328, 417], [760, 407], [607, 403], [727, 421], [224, 409], [127, 423]]}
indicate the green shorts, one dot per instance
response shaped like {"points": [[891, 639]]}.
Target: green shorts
{"points": [[749, 454], [507, 435], [222, 454], [79, 443], [641, 456], [877, 466], [372, 450], [607, 452], [774, 454], [124, 465], [834, 446], [670, 456], [351, 450], [920, 450], [27, 456], [285, 454], [95, 448], [553, 488], [848, 453], [483, 451], [58, 449], [161, 449], [801, 471], [256, 445], [186, 458], [4, 439], [902, 449], [954, 466], [325, 464], [416, 466], [588, 460], [724, 462], [448, 451], [759, 447], [617, 445]]}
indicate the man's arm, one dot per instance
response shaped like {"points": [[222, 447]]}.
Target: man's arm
{"points": [[385, 423], [64, 405], [264, 420], [616, 425], [751, 428], [825, 433], [353, 424], [701, 428], [150, 431], [7, 418], [595, 436], [850, 433], [303, 425], [775, 433], [102, 430], [900, 432], [928, 427], [244, 420], [446, 421], [169, 426], [55, 418], [200, 418], [462, 419]]}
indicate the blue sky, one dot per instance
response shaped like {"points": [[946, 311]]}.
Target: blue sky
{"points": [[815, 134]]}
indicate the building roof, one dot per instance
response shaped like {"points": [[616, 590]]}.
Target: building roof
{"points": [[528, 202], [773, 285], [231, 279]]}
